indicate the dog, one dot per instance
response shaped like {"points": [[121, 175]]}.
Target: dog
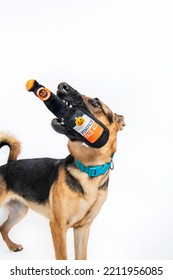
{"points": [[60, 189]]}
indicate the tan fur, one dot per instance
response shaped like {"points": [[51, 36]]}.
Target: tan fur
{"points": [[3, 191], [13, 144], [67, 208], [44, 210]]}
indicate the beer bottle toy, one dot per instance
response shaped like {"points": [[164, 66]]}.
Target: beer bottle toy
{"points": [[81, 123]]}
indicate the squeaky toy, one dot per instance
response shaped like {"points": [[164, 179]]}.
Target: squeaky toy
{"points": [[81, 123]]}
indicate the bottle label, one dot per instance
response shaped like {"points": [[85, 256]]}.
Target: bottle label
{"points": [[43, 93], [88, 128]]}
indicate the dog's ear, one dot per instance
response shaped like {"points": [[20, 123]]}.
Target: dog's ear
{"points": [[120, 121]]}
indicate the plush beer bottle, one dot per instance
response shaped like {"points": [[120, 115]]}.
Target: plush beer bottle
{"points": [[86, 127]]}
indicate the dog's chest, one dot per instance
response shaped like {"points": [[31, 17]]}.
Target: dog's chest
{"points": [[85, 207]]}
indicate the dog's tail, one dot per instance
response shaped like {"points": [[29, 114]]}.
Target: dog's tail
{"points": [[12, 143]]}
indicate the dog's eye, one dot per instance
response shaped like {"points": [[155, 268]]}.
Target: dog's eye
{"points": [[95, 103]]}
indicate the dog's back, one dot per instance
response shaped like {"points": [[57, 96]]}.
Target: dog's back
{"points": [[30, 178]]}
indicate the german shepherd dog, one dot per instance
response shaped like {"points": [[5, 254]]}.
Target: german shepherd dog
{"points": [[58, 188]]}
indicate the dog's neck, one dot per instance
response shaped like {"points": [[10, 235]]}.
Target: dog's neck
{"points": [[89, 156]]}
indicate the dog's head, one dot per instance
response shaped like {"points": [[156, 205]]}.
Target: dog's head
{"points": [[93, 106]]}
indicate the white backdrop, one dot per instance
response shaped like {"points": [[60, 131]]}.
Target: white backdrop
{"points": [[122, 52]]}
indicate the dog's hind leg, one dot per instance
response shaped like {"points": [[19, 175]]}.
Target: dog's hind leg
{"points": [[17, 211]]}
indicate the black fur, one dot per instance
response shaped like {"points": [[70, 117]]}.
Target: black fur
{"points": [[73, 184], [31, 178], [109, 116], [3, 143], [105, 185]]}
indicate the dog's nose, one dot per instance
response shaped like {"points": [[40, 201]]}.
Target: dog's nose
{"points": [[63, 88]]}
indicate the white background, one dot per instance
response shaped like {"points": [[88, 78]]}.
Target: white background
{"points": [[122, 52]]}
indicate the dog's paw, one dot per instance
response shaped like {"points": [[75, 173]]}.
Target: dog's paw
{"points": [[15, 247]]}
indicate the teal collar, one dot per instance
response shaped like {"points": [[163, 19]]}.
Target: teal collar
{"points": [[95, 171]]}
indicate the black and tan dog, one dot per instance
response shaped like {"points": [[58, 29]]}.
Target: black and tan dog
{"points": [[62, 190]]}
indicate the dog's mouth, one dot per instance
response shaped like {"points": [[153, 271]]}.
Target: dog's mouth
{"points": [[72, 99]]}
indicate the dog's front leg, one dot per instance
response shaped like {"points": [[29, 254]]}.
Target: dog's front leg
{"points": [[59, 239], [81, 235]]}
